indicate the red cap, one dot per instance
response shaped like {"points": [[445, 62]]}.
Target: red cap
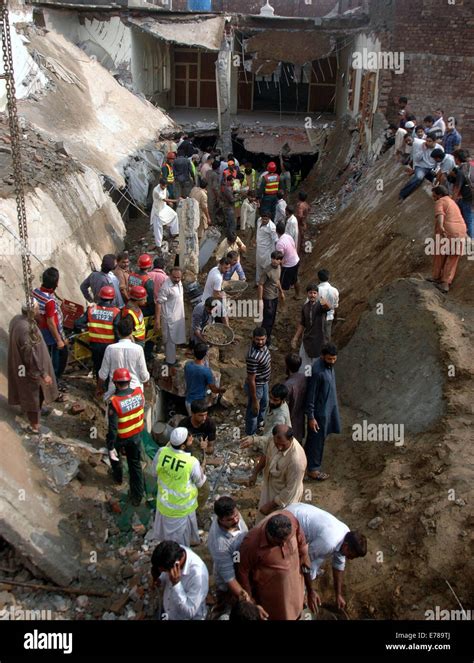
{"points": [[137, 292], [145, 261], [107, 292], [121, 375], [271, 167], [171, 155]]}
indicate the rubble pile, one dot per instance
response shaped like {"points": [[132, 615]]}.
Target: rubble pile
{"points": [[42, 160]]}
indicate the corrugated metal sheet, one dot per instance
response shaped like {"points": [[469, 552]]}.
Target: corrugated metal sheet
{"points": [[201, 33]]}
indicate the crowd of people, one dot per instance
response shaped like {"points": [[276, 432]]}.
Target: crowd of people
{"points": [[432, 150], [129, 309]]}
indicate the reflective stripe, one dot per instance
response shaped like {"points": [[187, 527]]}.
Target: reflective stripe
{"points": [[97, 323], [177, 495], [134, 411], [170, 176], [139, 331], [271, 184], [132, 416]]}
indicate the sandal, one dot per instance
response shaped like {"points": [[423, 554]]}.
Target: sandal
{"points": [[317, 476], [61, 398], [42, 430]]}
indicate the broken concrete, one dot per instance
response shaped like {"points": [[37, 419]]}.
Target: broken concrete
{"points": [[297, 47], [99, 122], [189, 216], [189, 31]]}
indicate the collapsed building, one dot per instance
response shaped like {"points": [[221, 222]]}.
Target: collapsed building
{"points": [[102, 87]]}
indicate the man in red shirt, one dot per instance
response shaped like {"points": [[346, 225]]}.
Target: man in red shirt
{"points": [[50, 320]]}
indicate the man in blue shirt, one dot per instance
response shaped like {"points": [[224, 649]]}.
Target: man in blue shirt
{"points": [[452, 139], [199, 377]]}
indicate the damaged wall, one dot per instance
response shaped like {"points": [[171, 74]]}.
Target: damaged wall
{"points": [[100, 122]]}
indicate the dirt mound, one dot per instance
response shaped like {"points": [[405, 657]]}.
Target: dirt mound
{"points": [[391, 370]]}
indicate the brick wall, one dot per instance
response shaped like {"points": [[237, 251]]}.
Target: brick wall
{"points": [[313, 8], [437, 40]]}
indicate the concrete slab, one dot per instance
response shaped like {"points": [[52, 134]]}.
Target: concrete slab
{"points": [[30, 516]]}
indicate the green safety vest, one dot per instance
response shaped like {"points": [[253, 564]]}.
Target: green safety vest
{"points": [[177, 495]]}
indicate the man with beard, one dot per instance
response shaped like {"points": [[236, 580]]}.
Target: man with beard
{"points": [[321, 410], [311, 328]]}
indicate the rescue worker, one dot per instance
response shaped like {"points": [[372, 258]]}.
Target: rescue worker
{"points": [[179, 476], [126, 416], [269, 187], [251, 177], [101, 320], [142, 278], [134, 309], [167, 173], [230, 170]]}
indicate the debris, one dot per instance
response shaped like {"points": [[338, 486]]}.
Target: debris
{"points": [[375, 522], [52, 588], [82, 601], [77, 408], [119, 604]]}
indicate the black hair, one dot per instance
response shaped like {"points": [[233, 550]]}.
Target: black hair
{"points": [[429, 118], [163, 181], [280, 227], [293, 362], [232, 255], [437, 153], [290, 210], [216, 165], [440, 190], [302, 195], [209, 303], [280, 195], [312, 286], [279, 527], [432, 135], [244, 611], [357, 543], [231, 236], [420, 127], [224, 261], [279, 391], [288, 433], [159, 262], [224, 506], [323, 275], [122, 255], [108, 262], [329, 349], [125, 326], [402, 100], [462, 155], [165, 556], [50, 278], [277, 255], [199, 406], [200, 350], [259, 331]]}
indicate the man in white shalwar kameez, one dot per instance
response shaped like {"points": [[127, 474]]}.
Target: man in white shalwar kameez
{"points": [[170, 314], [266, 240], [182, 529], [162, 214]]}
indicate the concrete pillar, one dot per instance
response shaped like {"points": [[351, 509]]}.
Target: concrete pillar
{"points": [[224, 93], [188, 215]]}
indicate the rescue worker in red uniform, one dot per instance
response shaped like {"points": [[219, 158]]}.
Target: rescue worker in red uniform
{"points": [[126, 415], [142, 278], [101, 321], [167, 173], [133, 308], [268, 190]]}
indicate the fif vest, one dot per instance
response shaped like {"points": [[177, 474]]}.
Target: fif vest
{"points": [[170, 176], [177, 495], [272, 183], [251, 179], [138, 279], [100, 323], [139, 330], [43, 298], [131, 413]]}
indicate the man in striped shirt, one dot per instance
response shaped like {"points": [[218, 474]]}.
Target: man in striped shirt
{"points": [[259, 366]]}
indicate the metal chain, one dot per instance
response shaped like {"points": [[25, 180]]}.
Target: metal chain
{"points": [[15, 137]]}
